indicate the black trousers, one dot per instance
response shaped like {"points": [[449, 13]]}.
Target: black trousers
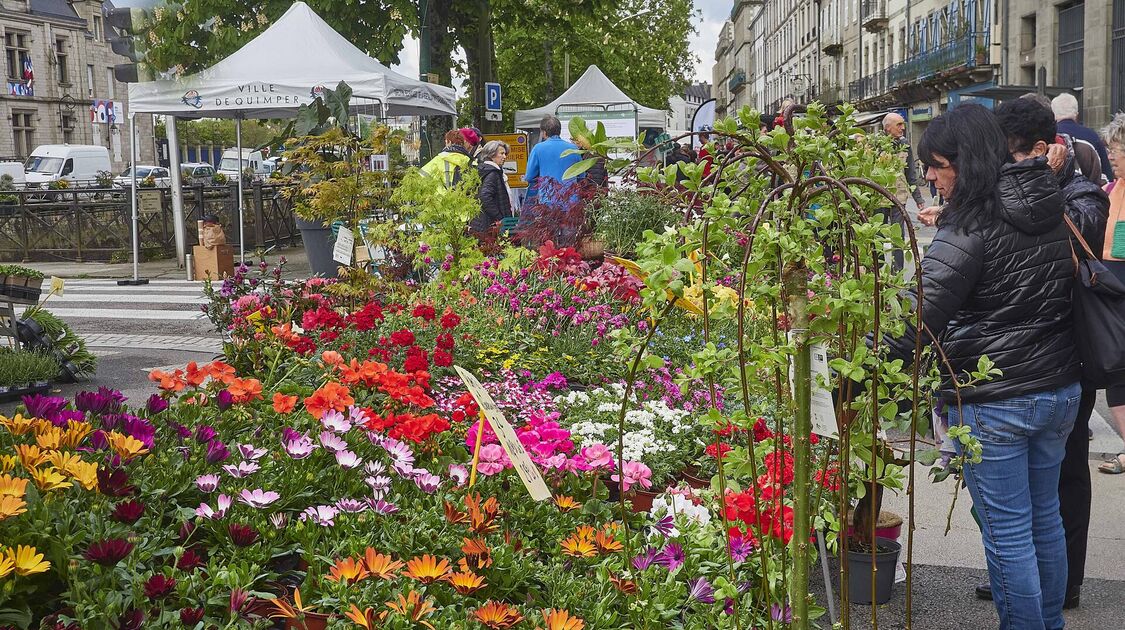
{"points": [[1075, 489]]}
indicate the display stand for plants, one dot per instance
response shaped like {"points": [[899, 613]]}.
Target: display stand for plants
{"points": [[8, 320]]}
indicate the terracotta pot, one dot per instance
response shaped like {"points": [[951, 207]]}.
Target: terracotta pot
{"points": [[312, 621], [690, 476], [642, 500]]}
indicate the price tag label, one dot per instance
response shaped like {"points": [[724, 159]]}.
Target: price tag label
{"points": [[57, 285], [345, 247], [823, 406], [528, 471]]}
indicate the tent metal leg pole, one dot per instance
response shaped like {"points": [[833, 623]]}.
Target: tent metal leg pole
{"points": [[179, 226], [241, 168], [133, 204]]}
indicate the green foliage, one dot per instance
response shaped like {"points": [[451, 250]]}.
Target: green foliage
{"points": [[20, 272], [68, 343], [623, 216], [435, 220], [19, 368]]}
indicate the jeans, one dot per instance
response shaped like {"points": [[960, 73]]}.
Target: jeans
{"points": [[1015, 489]]}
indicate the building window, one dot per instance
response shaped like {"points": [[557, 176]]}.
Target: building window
{"points": [[1117, 61], [60, 61], [110, 87], [1071, 43], [91, 89], [17, 53], [97, 29], [23, 132], [68, 128]]}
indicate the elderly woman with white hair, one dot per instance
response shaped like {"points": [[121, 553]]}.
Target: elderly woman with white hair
{"points": [[1113, 255], [495, 198]]}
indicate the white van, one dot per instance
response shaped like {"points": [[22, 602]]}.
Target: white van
{"points": [[251, 159], [13, 170], [76, 163]]}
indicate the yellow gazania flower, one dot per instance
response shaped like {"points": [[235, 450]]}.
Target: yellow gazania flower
{"points": [[126, 446], [12, 486], [7, 565], [30, 455], [11, 506], [48, 479], [27, 560], [413, 607], [566, 504], [62, 460], [75, 433], [85, 473], [427, 569], [579, 547], [561, 620], [465, 582], [49, 439], [7, 463], [18, 425]]}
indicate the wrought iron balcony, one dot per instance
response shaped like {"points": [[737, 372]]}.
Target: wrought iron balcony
{"points": [[736, 81], [874, 14], [968, 51], [831, 43], [869, 87]]}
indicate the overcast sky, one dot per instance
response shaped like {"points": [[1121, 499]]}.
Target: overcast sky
{"points": [[708, 25]]}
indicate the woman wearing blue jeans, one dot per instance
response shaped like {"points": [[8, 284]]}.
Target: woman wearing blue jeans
{"points": [[997, 282]]}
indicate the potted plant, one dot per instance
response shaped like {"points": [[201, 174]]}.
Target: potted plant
{"points": [[8, 195], [21, 282]]}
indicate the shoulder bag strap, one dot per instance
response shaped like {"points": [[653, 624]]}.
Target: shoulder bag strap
{"points": [[1078, 235]]}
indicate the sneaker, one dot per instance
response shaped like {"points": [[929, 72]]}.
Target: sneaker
{"points": [[984, 591]]}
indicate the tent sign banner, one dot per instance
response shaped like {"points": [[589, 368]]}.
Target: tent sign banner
{"points": [[618, 123], [516, 165]]}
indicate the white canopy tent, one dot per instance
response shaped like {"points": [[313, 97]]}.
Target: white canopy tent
{"points": [[593, 93], [274, 74]]}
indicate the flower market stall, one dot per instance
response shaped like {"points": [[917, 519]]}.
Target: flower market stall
{"points": [[333, 469]]}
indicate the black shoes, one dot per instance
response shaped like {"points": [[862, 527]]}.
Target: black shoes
{"points": [[1073, 595]]}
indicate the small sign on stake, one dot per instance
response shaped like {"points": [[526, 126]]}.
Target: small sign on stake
{"points": [[823, 407], [345, 246], [506, 435]]}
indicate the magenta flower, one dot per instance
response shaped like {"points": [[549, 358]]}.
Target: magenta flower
{"points": [[701, 590], [216, 452], [634, 473], [242, 535], [258, 498], [248, 451], [597, 456], [108, 552], [740, 548], [644, 559], [207, 483], [332, 442], [671, 557], [348, 459], [243, 469], [156, 404], [380, 506], [204, 433], [777, 613], [158, 587], [128, 512]]}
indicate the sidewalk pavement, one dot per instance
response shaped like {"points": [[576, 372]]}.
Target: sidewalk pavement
{"points": [[296, 266]]}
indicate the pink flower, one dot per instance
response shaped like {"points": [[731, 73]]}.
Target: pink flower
{"points": [[248, 451], [459, 474], [258, 498], [243, 469], [493, 459], [332, 442], [205, 511], [635, 473], [207, 483], [300, 447], [597, 456], [322, 515], [348, 459], [335, 421]]}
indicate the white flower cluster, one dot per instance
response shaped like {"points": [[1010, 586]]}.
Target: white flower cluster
{"points": [[681, 508]]}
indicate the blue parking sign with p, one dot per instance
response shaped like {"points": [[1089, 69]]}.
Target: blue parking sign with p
{"points": [[492, 95]]}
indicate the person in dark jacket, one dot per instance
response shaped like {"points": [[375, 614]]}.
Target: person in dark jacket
{"points": [[1031, 131], [997, 282], [495, 202]]}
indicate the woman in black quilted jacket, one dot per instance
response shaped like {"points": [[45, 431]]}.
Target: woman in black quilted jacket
{"points": [[997, 282]]}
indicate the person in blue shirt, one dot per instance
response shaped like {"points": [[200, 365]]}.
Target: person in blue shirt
{"points": [[547, 159], [1065, 106]]}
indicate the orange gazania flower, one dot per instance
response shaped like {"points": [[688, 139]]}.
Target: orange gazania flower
{"points": [[381, 566], [49, 439], [482, 517], [414, 608], [12, 486], [7, 463], [466, 582], [30, 455], [11, 506], [347, 570], [579, 547], [561, 620], [585, 531], [332, 396], [607, 543], [453, 515], [18, 425], [283, 404], [477, 554], [497, 615], [427, 569], [85, 473], [125, 446], [284, 609], [365, 618], [243, 390], [567, 504], [627, 586]]}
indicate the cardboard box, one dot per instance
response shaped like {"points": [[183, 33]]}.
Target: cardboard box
{"points": [[214, 263]]}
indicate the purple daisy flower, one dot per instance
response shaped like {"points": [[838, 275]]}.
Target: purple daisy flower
{"points": [[701, 590], [644, 559], [671, 557]]}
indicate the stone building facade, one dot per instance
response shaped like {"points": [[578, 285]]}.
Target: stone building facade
{"points": [[58, 65]]}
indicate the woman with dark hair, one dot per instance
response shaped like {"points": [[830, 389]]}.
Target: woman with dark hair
{"points": [[997, 282]]}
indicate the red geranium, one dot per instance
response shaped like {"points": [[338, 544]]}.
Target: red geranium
{"points": [[444, 341], [424, 311], [402, 337], [367, 317], [415, 360], [321, 318], [450, 320], [442, 358], [712, 450]]}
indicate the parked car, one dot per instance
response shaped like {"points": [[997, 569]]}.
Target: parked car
{"points": [[251, 159], [78, 164], [192, 173], [15, 171], [159, 174]]}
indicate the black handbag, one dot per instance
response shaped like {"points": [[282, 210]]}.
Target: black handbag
{"points": [[1099, 317]]}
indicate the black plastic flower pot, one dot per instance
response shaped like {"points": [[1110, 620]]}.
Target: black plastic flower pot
{"points": [[859, 572]]}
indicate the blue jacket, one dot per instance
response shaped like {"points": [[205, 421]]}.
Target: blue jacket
{"points": [[547, 160], [1075, 130]]}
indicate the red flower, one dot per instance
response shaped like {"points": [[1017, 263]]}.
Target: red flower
{"points": [[159, 587], [242, 535], [321, 318], [444, 341], [190, 560], [450, 320], [108, 552], [131, 620], [425, 311], [114, 482], [191, 617], [402, 337], [128, 512], [416, 362], [779, 466], [762, 430], [712, 450], [442, 358], [366, 317], [328, 336]]}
